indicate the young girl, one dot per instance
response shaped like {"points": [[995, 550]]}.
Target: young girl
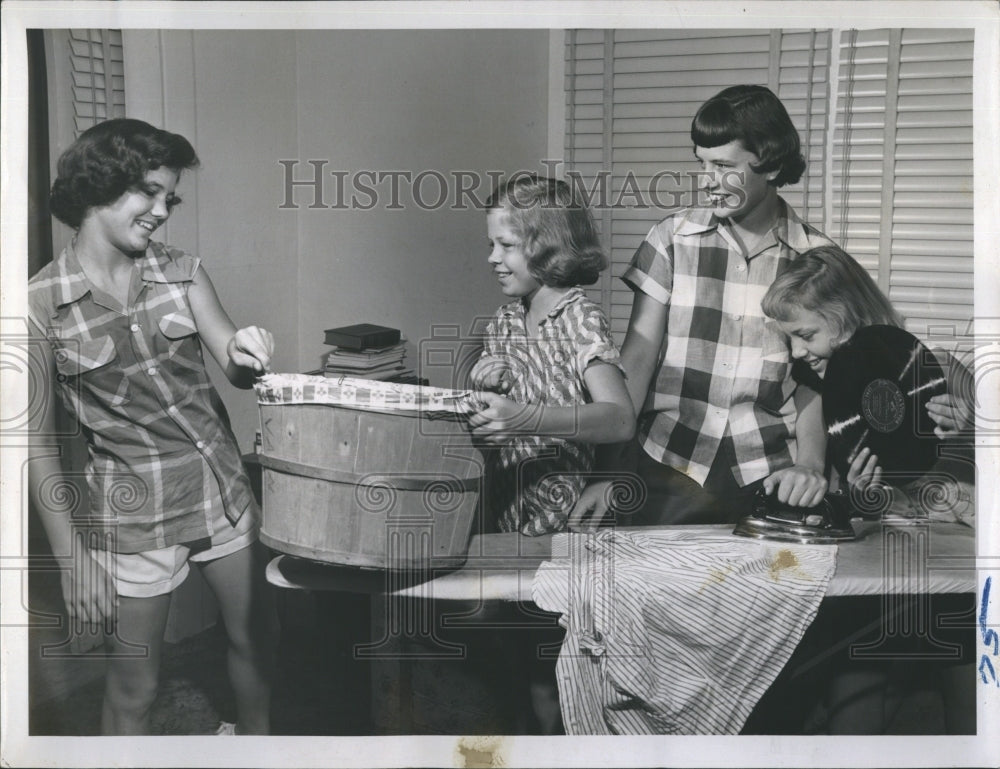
{"points": [[121, 320], [821, 299], [555, 389], [558, 388]]}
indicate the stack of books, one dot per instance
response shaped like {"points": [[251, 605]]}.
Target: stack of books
{"points": [[367, 351], [369, 363]]}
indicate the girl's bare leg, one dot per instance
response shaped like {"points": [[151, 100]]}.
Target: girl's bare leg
{"points": [[247, 605], [134, 665]]}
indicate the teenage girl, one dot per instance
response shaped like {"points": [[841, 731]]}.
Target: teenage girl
{"points": [[121, 321], [718, 414], [549, 360]]}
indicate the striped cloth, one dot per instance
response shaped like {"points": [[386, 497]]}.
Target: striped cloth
{"points": [[725, 371], [675, 631]]}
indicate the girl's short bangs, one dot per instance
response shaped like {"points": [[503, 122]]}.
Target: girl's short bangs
{"points": [[781, 304], [714, 126]]}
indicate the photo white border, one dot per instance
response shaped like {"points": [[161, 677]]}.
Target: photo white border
{"points": [[17, 749]]}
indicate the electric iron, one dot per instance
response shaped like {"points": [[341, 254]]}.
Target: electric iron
{"points": [[827, 523]]}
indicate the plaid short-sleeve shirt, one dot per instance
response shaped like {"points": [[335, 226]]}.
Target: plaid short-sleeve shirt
{"points": [[725, 369], [533, 482], [161, 454]]}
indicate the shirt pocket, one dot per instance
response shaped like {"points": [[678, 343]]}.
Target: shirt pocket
{"points": [[89, 365], [180, 333], [178, 325]]}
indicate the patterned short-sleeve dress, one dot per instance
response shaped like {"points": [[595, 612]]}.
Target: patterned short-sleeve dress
{"points": [[533, 482]]}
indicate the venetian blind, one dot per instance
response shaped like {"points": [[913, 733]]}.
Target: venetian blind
{"points": [[902, 170], [98, 76], [630, 98]]}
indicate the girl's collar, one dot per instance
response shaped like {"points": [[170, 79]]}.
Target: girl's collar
{"points": [[557, 302]]}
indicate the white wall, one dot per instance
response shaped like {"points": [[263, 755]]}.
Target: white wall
{"points": [[433, 100], [418, 100]]}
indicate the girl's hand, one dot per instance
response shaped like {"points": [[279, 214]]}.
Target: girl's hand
{"points": [[864, 471], [251, 348], [500, 418], [492, 372], [591, 507], [88, 592], [797, 486], [951, 414]]}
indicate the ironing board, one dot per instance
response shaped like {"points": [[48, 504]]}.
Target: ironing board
{"points": [[500, 572], [501, 567]]}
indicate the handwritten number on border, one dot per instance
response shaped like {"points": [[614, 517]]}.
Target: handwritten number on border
{"points": [[990, 638]]}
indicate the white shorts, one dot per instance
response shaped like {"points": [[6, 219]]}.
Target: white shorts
{"points": [[158, 572]]}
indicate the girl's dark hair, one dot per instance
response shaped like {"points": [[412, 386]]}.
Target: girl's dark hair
{"points": [[556, 229], [828, 281], [109, 159], [754, 116]]}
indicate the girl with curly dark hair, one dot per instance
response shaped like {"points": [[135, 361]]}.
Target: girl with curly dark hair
{"points": [[121, 321]]}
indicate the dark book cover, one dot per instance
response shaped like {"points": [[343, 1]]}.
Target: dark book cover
{"points": [[362, 335]]}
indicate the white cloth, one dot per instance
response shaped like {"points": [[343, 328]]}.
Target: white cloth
{"points": [[670, 632]]}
